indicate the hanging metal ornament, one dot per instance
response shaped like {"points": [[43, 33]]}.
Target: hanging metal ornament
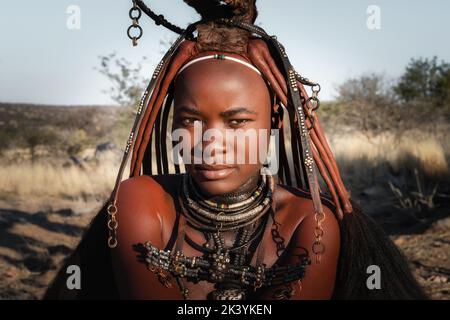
{"points": [[135, 14]]}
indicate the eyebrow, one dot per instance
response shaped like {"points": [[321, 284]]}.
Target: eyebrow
{"points": [[189, 110], [231, 112], [225, 114]]}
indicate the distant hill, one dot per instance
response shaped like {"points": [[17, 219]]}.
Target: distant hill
{"points": [[64, 128]]}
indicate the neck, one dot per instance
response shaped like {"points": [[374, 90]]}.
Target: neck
{"points": [[237, 195]]}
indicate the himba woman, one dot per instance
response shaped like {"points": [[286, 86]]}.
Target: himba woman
{"points": [[205, 228]]}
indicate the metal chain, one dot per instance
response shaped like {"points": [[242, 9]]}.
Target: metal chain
{"points": [[318, 247], [112, 225], [135, 14]]}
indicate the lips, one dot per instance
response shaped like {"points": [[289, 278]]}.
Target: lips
{"points": [[213, 172]]}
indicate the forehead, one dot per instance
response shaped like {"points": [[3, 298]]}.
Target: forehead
{"points": [[221, 83]]}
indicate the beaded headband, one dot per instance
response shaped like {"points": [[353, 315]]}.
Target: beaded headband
{"points": [[218, 57]]}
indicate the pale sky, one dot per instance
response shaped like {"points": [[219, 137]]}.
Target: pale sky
{"points": [[42, 61]]}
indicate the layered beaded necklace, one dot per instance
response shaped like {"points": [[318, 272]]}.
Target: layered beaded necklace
{"points": [[206, 215]]}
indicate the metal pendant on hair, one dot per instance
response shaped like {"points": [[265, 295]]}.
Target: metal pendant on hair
{"points": [[135, 14]]}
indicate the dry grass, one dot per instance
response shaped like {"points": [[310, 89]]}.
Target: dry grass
{"points": [[386, 171], [407, 151], [40, 179]]}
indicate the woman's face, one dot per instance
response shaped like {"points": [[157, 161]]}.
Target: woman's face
{"points": [[216, 98]]}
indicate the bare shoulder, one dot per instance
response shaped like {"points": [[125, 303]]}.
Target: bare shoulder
{"points": [[142, 185], [300, 214], [143, 208], [143, 204], [297, 206], [302, 205]]}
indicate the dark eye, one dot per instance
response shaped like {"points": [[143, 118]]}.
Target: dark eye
{"points": [[189, 121], [238, 122]]}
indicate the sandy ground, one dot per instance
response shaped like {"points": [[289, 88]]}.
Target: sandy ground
{"points": [[35, 240], [429, 255]]}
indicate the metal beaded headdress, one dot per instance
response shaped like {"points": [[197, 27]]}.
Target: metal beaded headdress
{"points": [[303, 146]]}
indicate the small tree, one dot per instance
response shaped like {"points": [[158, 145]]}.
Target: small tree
{"points": [[368, 102], [425, 79], [127, 81]]}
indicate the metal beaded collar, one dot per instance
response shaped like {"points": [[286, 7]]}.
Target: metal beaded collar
{"points": [[214, 218], [233, 203]]}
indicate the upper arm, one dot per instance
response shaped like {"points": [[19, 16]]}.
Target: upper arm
{"points": [[319, 279], [140, 204]]}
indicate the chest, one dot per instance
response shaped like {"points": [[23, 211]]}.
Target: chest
{"points": [[266, 249]]}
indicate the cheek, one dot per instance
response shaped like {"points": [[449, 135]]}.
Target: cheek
{"points": [[182, 139], [251, 148]]}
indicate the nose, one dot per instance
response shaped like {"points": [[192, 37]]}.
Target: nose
{"points": [[213, 146]]}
